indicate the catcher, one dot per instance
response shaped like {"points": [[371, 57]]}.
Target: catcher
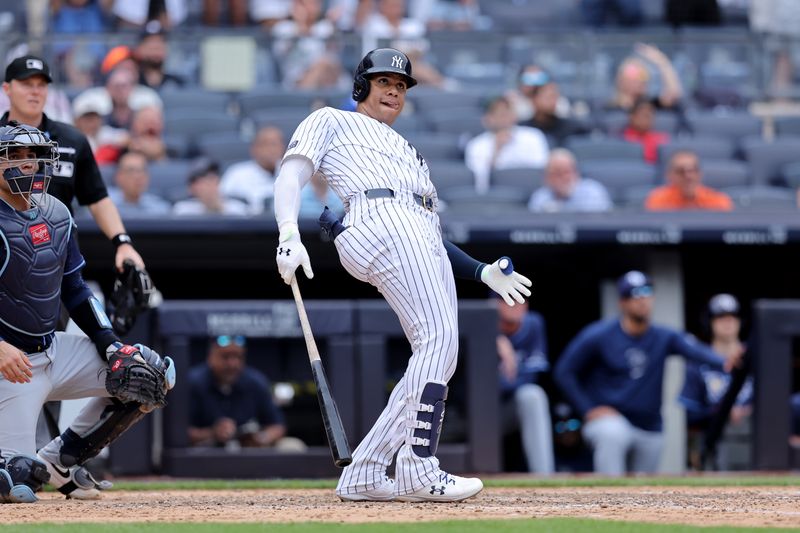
{"points": [[40, 267]]}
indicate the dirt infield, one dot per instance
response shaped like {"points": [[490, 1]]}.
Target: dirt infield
{"points": [[740, 506]]}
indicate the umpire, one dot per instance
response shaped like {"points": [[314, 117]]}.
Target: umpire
{"points": [[75, 176]]}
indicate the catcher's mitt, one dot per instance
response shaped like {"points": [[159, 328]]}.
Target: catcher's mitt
{"points": [[133, 293], [132, 378]]}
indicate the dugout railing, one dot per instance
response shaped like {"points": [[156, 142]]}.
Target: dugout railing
{"points": [[355, 339]]}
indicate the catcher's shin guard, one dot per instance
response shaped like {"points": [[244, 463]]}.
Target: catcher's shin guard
{"points": [[427, 421], [114, 421]]}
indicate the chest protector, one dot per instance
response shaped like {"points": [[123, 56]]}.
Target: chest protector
{"points": [[33, 251]]}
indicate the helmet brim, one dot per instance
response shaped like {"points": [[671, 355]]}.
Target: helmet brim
{"points": [[370, 72]]}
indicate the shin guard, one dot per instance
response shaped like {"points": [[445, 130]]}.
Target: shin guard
{"points": [[427, 421]]}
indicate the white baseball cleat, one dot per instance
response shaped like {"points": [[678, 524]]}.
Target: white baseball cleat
{"points": [[382, 493], [447, 488], [75, 482]]}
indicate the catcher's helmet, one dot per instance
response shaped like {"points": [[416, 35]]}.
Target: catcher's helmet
{"points": [[380, 60], [26, 175]]}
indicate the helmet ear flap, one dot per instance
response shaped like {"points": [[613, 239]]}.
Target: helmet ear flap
{"points": [[360, 88]]}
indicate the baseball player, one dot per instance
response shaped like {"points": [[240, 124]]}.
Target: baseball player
{"points": [[40, 267], [393, 241]]}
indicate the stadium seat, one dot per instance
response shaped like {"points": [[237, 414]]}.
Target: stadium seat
{"points": [[604, 148], [446, 174], [523, 179], [618, 175], [286, 120], [425, 99], [787, 126], [763, 198], [791, 174], [436, 146], [766, 159], [714, 147], [633, 197], [459, 121], [721, 173], [192, 123], [195, 99], [733, 126], [168, 179], [223, 147], [108, 172]]}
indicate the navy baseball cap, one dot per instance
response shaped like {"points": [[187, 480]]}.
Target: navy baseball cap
{"points": [[25, 67], [723, 304], [634, 284]]}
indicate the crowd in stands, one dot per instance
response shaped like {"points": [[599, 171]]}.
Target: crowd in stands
{"points": [[478, 127]]}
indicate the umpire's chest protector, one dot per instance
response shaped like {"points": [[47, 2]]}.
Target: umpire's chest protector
{"points": [[33, 251]]}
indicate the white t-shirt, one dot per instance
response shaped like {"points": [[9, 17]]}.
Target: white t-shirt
{"points": [[249, 181], [527, 148], [193, 206]]}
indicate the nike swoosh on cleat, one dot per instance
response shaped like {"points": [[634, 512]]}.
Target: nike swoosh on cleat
{"points": [[62, 473]]}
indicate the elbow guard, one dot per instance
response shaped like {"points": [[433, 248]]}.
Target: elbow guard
{"points": [[91, 318]]}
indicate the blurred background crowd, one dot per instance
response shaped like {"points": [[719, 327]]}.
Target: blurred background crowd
{"points": [[579, 105]]}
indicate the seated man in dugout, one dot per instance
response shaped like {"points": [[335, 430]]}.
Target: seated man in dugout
{"points": [[232, 404]]}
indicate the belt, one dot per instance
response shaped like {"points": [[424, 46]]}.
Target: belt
{"points": [[425, 202]]}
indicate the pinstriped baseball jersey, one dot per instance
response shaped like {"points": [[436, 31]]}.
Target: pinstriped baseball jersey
{"points": [[355, 153], [396, 245]]}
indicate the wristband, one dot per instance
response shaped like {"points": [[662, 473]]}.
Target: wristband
{"points": [[120, 239]]}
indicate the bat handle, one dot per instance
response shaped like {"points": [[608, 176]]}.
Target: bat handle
{"points": [[313, 353]]}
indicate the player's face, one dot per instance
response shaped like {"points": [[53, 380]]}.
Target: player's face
{"points": [[27, 97], [726, 326], [387, 96], [639, 309], [23, 158], [226, 363]]}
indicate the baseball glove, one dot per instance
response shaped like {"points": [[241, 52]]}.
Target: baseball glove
{"points": [[132, 294], [131, 378]]}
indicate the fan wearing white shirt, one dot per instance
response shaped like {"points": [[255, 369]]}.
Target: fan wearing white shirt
{"points": [[504, 144], [252, 180]]}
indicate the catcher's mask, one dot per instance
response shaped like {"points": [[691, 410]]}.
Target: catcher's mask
{"points": [[132, 294], [27, 158]]}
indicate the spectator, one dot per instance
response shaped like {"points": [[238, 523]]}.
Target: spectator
{"points": [[612, 373], [78, 16], [150, 54], [633, 78], [205, 197], [137, 13], [232, 404], [684, 189], [301, 48], [236, 10], [389, 21], [564, 189], [317, 196], [705, 387], [458, 15], [106, 142], [522, 350], [131, 194], [252, 180], [597, 13], [544, 97], [779, 22], [692, 12], [267, 13], [147, 133], [640, 129], [503, 144]]}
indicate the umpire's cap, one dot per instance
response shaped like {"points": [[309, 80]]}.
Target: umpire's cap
{"points": [[26, 67], [634, 284], [723, 304], [380, 60]]}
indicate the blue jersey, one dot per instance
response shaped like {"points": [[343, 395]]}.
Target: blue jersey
{"points": [[604, 365], [530, 345], [248, 400], [703, 390]]}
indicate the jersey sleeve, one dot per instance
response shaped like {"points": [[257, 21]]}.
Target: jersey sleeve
{"points": [[313, 136], [89, 185], [688, 346]]}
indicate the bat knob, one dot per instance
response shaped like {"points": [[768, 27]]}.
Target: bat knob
{"points": [[505, 264]]}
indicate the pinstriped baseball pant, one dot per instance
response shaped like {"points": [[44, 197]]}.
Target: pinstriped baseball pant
{"points": [[396, 245]]}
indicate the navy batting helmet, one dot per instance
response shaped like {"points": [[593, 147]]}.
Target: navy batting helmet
{"points": [[380, 60]]}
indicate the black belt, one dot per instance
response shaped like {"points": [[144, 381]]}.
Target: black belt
{"points": [[424, 201]]}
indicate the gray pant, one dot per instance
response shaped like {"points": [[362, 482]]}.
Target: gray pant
{"points": [[533, 413], [616, 441], [69, 369]]}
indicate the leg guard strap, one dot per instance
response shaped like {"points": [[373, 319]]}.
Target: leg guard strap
{"points": [[427, 422], [114, 421]]}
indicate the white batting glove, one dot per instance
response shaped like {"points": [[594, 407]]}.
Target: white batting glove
{"points": [[291, 254], [501, 278]]}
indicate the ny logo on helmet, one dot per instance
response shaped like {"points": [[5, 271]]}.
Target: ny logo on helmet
{"points": [[397, 61]]}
